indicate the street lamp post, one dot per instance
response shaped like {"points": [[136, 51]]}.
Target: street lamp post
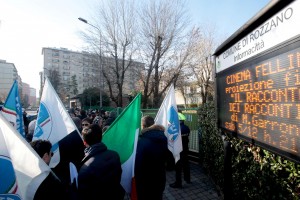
{"points": [[100, 59]]}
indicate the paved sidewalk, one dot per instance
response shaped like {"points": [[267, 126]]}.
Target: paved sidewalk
{"points": [[201, 188]]}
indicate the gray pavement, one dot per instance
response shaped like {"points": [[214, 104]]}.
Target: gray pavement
{"points": [[201, 187]]}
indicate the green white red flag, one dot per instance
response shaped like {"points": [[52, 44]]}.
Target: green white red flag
{"points": [[122, 137]]}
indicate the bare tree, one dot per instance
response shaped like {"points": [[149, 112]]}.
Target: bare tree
{"points": [[115, 38], [201, 66], [72, 86], [165, 44], [181, 86], [159, 37], [54, 77]]}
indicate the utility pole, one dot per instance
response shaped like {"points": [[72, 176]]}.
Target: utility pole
{"points": [[100, 60]]}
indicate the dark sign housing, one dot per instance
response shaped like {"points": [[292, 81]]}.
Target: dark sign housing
{"points": [[258, 80]]}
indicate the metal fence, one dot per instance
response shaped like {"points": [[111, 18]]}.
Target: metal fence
{"points": [[191, 122]]}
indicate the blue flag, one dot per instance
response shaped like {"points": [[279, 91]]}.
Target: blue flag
{"points": [[12, 109]]}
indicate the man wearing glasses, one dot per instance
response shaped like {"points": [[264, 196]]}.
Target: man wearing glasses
{"points": [[43, 148], [51, 187]]}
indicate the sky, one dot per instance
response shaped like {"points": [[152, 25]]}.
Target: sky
{"points": [[28, 26]]}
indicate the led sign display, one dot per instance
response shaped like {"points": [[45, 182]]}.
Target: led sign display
{"points": [[258, 81], [260, 100]]}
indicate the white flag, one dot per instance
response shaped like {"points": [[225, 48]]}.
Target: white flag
{"points": [[12, 109], [54, 123], [22, 170], [167, 116]]}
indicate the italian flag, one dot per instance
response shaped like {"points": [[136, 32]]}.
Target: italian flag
{"points": [[122, 137]]}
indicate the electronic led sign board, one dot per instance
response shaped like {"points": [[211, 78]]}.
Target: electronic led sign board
{"points": [[259, 99]]}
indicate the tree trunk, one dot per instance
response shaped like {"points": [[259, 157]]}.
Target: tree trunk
{"points": [[156, 78]]}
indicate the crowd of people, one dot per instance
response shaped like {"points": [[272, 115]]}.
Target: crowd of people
{"points": [[99, 173], [103, 118], [80, 118]]}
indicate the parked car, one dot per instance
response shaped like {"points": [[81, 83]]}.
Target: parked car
{"points": [[31, 117]]}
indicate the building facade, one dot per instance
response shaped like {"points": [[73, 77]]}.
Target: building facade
{"points": [[26, 93], [8, 75], [190, 95], [32, 97], [70, 64], [83, 68]]}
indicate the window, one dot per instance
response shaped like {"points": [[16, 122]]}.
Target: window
{"points": [[55, 53], [66, 67], [66, 56], [66, 78], [55, 66]]}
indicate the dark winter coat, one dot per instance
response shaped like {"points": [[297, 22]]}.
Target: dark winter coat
{"points": [[51, 188], [71, 150], [185, 132], [100, 174], [109, 120], [150, 162]]}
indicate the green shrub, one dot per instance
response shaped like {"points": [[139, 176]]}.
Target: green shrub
{"points": [[210, 143], [259, 174], [256, 173]]}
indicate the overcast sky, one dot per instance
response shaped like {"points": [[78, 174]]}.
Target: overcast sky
{"points": [[28, 26]]}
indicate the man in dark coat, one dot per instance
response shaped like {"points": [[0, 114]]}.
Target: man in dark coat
{"points": [[150, 161], [100, 174], [51, 187], [183, 163], [111, 118]]}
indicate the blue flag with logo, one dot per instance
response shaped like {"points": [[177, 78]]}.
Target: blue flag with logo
{"points": [[21, 169], [167, 116], [12, 109], [56, 125]]}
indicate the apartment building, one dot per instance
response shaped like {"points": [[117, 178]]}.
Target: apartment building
{"points": [[132, 76], [8, 75], [26, 92], [85, 69]]}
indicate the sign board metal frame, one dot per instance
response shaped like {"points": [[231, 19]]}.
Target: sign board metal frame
{"points": [[258, 80]]}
